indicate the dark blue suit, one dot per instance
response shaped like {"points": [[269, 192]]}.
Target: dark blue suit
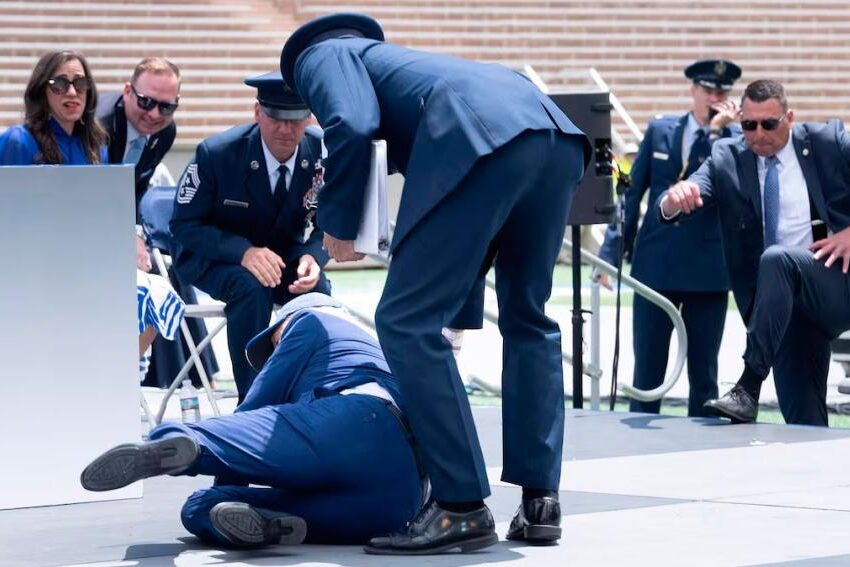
{"points": [[341, 462], [799, 306], [663, 257], [225, 205], [490, 165]]}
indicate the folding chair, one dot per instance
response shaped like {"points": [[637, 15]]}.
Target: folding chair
{"points": [[156, 208]]}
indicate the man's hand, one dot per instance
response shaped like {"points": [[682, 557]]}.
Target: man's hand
{"points": [[727, 111], [143, 258], [832, 248], [603, 280], [341, 250], [683, 197], [264, 265], [308, 275]]}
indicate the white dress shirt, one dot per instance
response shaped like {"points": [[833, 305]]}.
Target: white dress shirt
{"points": [[272, 165], [795, 220]]}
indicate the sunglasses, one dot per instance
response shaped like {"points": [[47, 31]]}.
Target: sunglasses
{"points": [[768, 124], [148, 103], [61, 85]]}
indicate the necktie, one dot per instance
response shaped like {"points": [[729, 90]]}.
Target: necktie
{"points": [[134, 152], [700, 149], [280, 187], [771, 201]]}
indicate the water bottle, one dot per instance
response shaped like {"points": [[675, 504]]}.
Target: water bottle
{"points": [[190, 409]]}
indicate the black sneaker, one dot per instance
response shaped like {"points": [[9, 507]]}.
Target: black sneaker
{"points": [[245, 526], [125, 464]]}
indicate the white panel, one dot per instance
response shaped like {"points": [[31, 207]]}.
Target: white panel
{"points": [[69, 386]]}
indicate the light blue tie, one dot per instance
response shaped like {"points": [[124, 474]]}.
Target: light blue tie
{"points": [[134, 152], [771, 201]]}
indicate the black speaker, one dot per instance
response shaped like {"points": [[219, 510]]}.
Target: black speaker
{"points": [[593, 202]]}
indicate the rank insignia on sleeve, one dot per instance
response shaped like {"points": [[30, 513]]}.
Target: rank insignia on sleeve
{"points": [[188, 185]]}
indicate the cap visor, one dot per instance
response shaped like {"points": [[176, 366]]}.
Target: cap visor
{"points": [[284, 113]]}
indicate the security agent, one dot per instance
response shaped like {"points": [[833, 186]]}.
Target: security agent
{"points": [[321, 435], [490, 166], [780, 191], [242, 217], [683, 261]]}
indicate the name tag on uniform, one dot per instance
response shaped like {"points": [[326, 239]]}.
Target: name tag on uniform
{"points": [[232, 203], [659, 155]]}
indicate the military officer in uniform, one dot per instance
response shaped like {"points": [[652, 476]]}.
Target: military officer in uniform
{"points": [[242, 217], [683, 262], [490, 166]]}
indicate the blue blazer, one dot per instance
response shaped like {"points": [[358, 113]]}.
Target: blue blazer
{"points": [[319, 351], [432, 111], [224, 204], [729, 181], [669, 257]]}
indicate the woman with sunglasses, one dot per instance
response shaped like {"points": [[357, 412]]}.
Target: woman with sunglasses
{"points": [[59, 108]]}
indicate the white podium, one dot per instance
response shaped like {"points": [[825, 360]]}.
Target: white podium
{"points": [[69, 383]]}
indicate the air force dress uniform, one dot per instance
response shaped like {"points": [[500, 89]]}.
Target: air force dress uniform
{"points": [[682, 261], [490, 165], [225, 204]]}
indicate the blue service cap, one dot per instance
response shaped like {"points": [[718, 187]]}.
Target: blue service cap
{"points": [[260, 348], [276, 99], [341, 24], [714, 73]]}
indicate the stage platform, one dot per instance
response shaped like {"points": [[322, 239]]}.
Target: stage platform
{"points": [[636, 490]]}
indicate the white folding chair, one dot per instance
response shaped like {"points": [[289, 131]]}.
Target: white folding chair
{"points": [[156, 207]]}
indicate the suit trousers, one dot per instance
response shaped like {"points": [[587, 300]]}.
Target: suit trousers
{"points": [[799, 307], [343, 463], [248, 308], [704, 314], [514, 203]]}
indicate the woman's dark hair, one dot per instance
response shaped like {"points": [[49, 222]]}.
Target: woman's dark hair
{"points": [[37, 111]]}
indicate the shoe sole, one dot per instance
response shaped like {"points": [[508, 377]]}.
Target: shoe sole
{"points": [[244, 526], [464, 546], [538, 533], [736, 419], [127, 463]]}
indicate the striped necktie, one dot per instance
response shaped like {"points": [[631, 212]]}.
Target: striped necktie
{"points": [[771, 201]]}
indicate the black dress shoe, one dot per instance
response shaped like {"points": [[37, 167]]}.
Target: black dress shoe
{"points": [[736, 404], [538, 520], [435, 530], [246, 526], [125, 464]]}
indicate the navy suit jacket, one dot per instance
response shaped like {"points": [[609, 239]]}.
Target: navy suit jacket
{"points": [[319, 351], [110, 114], [729, 181], [224, 204], [439, 115], [664, 255]]}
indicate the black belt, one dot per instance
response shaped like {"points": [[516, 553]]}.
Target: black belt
{"points": [[408, 433]]}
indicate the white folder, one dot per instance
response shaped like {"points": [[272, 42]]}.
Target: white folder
{"points": [[373, 236]]}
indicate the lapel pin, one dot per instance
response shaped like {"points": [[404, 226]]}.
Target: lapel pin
{"points": [[305, 164], [805, 151], [255, 165]]}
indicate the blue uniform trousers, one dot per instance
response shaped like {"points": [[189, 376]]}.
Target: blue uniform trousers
{"points": [[513, 202], [343, 463], [800, 306], [248, 309], [704, 314]]}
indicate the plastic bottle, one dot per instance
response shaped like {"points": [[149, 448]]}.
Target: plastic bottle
{"points": [[190, 409]]}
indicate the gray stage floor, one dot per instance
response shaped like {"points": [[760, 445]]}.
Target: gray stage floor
{"points": [[636, 490]]}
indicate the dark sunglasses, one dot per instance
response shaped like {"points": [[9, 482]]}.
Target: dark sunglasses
{"points": [[768, 124], [60, 85], [148, 103]]}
